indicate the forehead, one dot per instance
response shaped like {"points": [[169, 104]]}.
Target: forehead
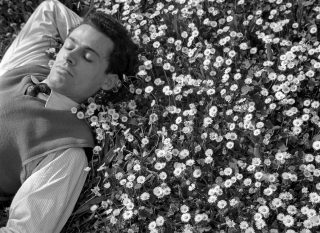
{"points": [[87, 36]]}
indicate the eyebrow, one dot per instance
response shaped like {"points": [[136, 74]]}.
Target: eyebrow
{"points": [[85, 46]]}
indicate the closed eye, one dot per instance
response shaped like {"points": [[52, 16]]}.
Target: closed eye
{"points": [[87, 48], [88, 56]]}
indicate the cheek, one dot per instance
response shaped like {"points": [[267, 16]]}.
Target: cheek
{"points": [[89, 72], [83, 75], [86, 77]]}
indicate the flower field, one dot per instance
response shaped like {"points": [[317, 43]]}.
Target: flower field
{"points": [[219, 129]]}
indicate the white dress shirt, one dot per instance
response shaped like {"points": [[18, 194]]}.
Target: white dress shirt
{"points": [[51, 185]]}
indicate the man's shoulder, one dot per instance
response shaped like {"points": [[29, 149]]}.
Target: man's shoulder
{"points": [[16, 76], [27, 69]]}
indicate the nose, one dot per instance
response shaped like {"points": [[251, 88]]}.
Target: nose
{"points": [[70, 58]]}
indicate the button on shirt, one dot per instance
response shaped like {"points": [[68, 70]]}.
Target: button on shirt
{"points": [[51, 185]]}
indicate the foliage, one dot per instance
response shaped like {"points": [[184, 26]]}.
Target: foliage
{"points": [[220, 129]]}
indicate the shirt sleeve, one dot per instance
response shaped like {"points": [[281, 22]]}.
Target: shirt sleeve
{"points": [[46, 199], [50, 19]]}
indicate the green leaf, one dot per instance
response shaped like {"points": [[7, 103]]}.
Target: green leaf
{"points": [[283, 148], [130, 165], [268, 124], [201, 162], [316, 137], [256, 150], [246, 89], [133, 122], [307, 3], [269, 51], [143, 212], [119, 158], [234, 166], [175, 24], [109, 156], [86, 206]]}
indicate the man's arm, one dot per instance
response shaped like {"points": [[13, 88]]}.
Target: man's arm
{"points": [[50, 19], [46, 199]]}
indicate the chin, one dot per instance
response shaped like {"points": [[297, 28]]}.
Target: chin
{"points": [[57, 85]]}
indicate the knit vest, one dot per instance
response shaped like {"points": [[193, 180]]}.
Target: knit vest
{"points": [[28, 130]]}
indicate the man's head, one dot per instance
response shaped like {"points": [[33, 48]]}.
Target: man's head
{"points": [[94, 56]]}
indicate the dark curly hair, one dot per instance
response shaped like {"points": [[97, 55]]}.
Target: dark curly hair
{"points": [[124, 57]]}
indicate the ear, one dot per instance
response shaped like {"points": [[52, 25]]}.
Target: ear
{"points": [[111, 80]]}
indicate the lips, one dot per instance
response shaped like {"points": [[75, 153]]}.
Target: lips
{"points": [[64, 70]]}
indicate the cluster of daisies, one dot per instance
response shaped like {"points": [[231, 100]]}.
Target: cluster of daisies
{"points": [[221, 131]]}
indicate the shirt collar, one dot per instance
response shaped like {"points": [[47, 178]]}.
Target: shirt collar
{"points": [[55, 100], [58, 101]]}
